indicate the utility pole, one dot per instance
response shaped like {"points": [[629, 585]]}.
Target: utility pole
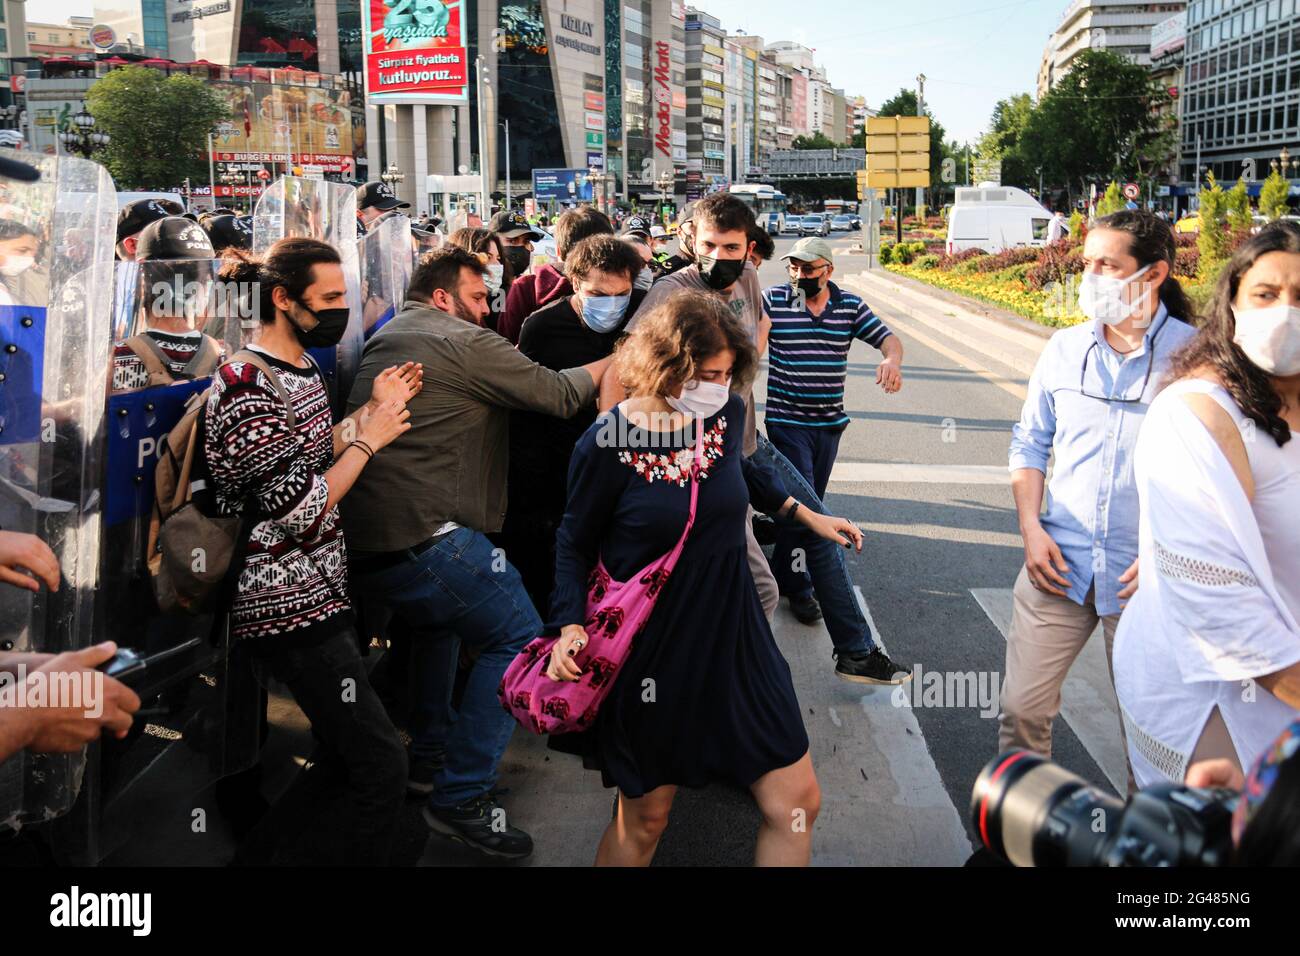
{"points": [[920, 111], [481, 89], [507, 205], [212, 175]]}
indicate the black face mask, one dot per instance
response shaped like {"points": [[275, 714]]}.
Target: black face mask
{"points": [[328, 331], [719, 274], [810, 287], [519, 258]]}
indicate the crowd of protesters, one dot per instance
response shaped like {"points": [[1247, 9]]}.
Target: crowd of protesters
{"points": [[525, 438]]}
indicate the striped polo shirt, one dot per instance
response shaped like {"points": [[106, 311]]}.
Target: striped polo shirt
{"points": [[808, 356]]}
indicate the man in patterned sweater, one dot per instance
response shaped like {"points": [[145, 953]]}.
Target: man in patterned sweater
{"points": [[169, 348], [275, 457]]}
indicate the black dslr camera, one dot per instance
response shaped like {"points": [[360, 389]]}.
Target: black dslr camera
{"points": [[1031, 812]]}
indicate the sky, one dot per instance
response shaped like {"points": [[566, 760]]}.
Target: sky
{"points": [[972, 52]]}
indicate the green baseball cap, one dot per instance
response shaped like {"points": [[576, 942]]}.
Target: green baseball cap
{"points": [[810, 250]]}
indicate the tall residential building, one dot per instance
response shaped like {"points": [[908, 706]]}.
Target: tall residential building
{"points": [[60, 39], [1241, 87], [1119, 26], [1168, 45], [13, 47], [706, 104]]}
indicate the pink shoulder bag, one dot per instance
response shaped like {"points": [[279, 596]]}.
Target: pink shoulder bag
{"points": [[616, 612]]}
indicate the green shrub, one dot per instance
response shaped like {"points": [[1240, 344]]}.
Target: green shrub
{"points": [[928, 261], [903, 254], [1077, 225], [1111, 201], [886, 254]]}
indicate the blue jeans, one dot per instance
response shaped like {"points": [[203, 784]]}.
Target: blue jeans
{"points": [[460, 584], [812, 452], [845, 621]]}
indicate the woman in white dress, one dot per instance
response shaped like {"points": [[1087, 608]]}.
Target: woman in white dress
{"points": [[1207, 656]]}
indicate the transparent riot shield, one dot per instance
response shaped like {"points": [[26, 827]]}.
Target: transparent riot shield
{"points": [[316, 209], [425, 241], [385, 257], [200, 704], [54, 323]]}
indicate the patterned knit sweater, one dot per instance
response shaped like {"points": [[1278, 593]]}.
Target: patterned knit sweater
{"points": [[294, 579], [130, 373]]}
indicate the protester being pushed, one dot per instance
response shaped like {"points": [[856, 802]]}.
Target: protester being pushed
{"points": [[419, 521], [667, 462], [500, 273], [548, 283], [1207, 657], [276, 458], [571, 331], [1088, 397]]}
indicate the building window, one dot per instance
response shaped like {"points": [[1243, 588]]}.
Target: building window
{"points": [[275, 33]]}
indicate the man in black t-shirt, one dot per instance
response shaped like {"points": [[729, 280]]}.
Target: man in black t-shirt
{"points": [[570, 331]]}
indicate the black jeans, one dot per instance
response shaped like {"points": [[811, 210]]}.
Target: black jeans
{"points": [[329, 683]]}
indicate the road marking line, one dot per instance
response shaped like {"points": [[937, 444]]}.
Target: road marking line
{"points": [[1088, 702], [914, 473], [1006, 384]]}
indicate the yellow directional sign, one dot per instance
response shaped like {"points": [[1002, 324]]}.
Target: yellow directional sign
{"points": [[898, 153]]}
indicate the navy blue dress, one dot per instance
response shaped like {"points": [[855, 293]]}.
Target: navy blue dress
{"points": [[705, 696]]}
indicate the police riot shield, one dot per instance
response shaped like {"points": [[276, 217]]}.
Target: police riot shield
{"points": [[385, 257], [56, 254], [201, 700], [425, 241], [316, 209]]}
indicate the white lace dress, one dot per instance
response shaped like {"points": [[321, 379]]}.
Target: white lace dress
{"points": [[1219, 595]]}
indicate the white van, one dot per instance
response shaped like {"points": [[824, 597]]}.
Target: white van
{"points": [[994, 218]]}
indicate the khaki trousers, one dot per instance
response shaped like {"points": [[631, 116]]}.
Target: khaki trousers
{"points": [[1047, 634]]}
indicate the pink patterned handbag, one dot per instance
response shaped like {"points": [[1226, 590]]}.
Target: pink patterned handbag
{"points": [[616, 612]]}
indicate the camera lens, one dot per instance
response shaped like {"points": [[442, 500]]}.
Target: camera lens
{"points": [[1032, 812]]}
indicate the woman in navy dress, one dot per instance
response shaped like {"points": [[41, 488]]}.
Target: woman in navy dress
{"points": [[704, 696]]}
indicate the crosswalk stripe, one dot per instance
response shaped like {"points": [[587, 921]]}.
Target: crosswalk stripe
{"points": [[1088, 702], [910, 473]]}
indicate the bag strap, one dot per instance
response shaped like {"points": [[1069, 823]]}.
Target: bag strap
{"points": [[205, 358], [258, 362], [152, 357], [696, 459]]}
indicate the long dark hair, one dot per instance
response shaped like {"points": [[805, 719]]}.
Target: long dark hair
{"points": [[478, 240], [1248, 384], [287, 264], [1150, 241]]}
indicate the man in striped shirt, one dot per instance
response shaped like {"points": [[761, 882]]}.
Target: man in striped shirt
{"points": [[814, 322]]}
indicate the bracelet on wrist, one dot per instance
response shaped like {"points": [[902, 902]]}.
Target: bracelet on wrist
{"points": [[362, 446]]}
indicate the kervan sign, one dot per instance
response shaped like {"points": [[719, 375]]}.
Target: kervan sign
{"points": [[663, 100], [415, 52]]}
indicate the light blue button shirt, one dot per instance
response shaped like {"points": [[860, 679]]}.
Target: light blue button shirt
{"points": [[1092, 501]]}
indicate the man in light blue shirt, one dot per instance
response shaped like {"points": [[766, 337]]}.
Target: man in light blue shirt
{"points": [[1087, 399]]}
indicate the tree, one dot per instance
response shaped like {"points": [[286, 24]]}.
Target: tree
{"points": [[158, 125], [1112, 201], [1238, 205], [817, 140], [1103, 119], [1002, 142], [1273, 196], [1213, 237]]}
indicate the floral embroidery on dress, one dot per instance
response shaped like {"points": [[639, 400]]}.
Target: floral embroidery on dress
{"points": [[675, 466]]}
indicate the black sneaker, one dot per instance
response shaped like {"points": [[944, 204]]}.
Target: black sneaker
{"points": [[806, 609], [480, 823], [870, 667], [419, 776]]}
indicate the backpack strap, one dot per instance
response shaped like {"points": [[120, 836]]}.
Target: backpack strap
{"points": [[205, 360], [258, 362], [153, 359]]}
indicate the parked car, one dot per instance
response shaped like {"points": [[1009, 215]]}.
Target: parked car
{"points": [[842, 224], [792, 224], [815, 225]]}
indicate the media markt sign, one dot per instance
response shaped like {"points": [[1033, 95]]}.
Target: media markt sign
{"points": [[595, 139]]}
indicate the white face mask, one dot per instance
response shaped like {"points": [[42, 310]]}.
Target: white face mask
{"points": [[1101, 298], [492, 280], [700, 399], [16, 265], [1270, 337]]}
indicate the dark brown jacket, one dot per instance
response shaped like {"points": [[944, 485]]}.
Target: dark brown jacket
{"points": [[452, 463]]}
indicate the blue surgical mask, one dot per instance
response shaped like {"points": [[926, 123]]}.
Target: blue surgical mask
{"points": [[604, 313]]}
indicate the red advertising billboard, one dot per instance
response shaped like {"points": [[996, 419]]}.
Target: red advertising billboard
{"points": [[415, 50]]}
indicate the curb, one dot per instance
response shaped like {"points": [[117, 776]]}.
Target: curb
{"points": [[975, 307]]}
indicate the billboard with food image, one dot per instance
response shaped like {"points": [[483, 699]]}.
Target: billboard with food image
{"points": [[304, 122], [415, 51]]}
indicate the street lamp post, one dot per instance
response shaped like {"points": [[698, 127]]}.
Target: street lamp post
{"points": [[84, 139], [664, 181], [392, 176]]}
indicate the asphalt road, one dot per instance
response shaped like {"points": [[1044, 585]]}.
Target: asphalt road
{"points": [[924, 474]]}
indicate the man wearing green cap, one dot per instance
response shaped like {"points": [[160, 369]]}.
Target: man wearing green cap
{"points": [[814, 322]]}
